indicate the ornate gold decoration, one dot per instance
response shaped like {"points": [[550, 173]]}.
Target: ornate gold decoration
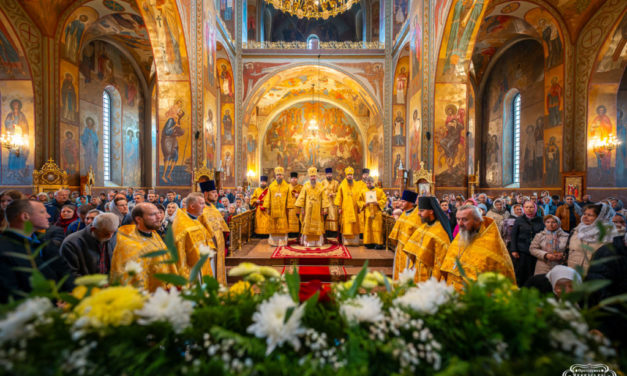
{"points": [[313, 8], [49, 177], [200, 173], [90, 181], [423, 179], [332, 45]]}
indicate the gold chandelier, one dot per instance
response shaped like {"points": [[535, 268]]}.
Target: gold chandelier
{"points": [[313, 8]]}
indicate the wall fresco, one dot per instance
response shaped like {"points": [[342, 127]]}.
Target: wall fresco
{"points": [[17, 113], [450, 135]]}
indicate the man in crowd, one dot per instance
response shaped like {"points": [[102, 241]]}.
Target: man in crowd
{"points": [[54, 207], [293, 222], [135, 240], [25, 240], [152, 197], [372, 202], [120, 208], [191, 237], [79, 224], [276, 205], [212, 219], [347, 201], [312, 205], [262, 219], [477, 248], [89, 250], [171, 197], [330, 186], [403, 229], [427, 246], [569, 214], [91, 215]]}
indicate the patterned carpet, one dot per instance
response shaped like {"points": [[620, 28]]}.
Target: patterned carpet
{"points": [[330, 250]]}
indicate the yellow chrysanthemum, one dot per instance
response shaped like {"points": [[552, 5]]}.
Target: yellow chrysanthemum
{"points": [[240, 288], [80, 291], [113, 306]]}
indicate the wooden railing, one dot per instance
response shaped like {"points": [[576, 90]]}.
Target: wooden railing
{"points": [[241, 227], [388, 224]]}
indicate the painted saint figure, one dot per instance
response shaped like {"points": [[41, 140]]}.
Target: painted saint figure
{"points": [[601, 129], [401, 86], [553, 100], [172, 130], [399, 125], [89, 142], [73, 34], [226, 81], [16, 123], [68, 98], [227, 127], [552, 163], [70, 153]]}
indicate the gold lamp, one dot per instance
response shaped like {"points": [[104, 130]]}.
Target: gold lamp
{"points": [[13, 141], [313, 8]]}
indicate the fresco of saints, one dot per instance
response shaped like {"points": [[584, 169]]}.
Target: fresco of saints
{"points": [[552, 162], [551, 37], [228, 169], [553, 99], [68, 98], [601, 128], [89, 143], [399, 125], [209, 139], [226, 81], [401, 86], [9, 57], [452, 139], [165, 15], [227, 127], [70, 153], [251, 149], [172, 130], [16, 123], [415, 141], [73, 34]]}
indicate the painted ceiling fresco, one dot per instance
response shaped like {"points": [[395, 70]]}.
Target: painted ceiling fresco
{"points": [[46, 13], [327, 83]]}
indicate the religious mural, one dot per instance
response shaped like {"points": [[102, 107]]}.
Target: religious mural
{"points": [[174, 134], [289, 141], [450, 136], [226, 11], [90, 140], [226, 118], [416, 41], [400, 14], [17, 113], [13, 64], [414, 131], [69, 92], [70, 150], [74, 31]]}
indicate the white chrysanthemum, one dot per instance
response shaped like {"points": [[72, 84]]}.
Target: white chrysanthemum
{"points": [[204, 249], [269, 322], [363, 308], [14, 325], [427, 297], [169, 307], [406, 276], [133, 267]]}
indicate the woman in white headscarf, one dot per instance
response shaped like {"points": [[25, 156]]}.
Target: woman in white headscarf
{"points": [[562, 279], [508, 224], [587, 237]]}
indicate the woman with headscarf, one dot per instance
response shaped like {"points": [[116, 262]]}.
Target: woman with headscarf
{"points": [[67, 216], [549, 245], [508, 224], [587, 238], [562, 279], [498, 213], [525, 229], [569, 213]]}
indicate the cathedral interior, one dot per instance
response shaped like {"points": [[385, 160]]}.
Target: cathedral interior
{"points": [[479, 95]]}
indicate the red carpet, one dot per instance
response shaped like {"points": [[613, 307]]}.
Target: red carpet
{"points": [[332, 273], [292, 250]]}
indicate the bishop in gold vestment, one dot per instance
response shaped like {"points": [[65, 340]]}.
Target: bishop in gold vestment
{"points": [[262, 219], [478, 247], [276, 205], [134, 241], [373, 214], [428, 244], [362, 186], [346, 199], [213, 220], [313, 201], [191, 238], [293, 221], [330, 186], [403, 229]]}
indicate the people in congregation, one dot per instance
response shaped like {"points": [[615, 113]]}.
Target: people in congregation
{"points": [[79, 223], [346, 200], [371, 202], [276, 206], [562, 279], [403, 229], [498, 213], [549, 245], [619, 223], [525, 229], [293, 220], [586, 238], [54, 207], [66, 217]]}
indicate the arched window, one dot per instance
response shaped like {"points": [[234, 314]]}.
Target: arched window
{"points": [[516, 139], [106, 135], [313, 42]]}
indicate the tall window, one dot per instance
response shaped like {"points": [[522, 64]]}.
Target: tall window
{"points": [[106, 135], [516, 145], [313, 42]]}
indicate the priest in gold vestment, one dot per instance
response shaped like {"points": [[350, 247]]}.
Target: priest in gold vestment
{"points": [[478, 248], [330, 186], [346, 200], [427, 246], [134, 241], [371, 204], [213, 220], [403, 229], [362, 186], [293, 221], [262, 219], [276, 205], [313, 204], [192, 239]]}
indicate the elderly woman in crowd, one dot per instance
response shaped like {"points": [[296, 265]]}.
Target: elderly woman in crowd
{"points": [[549, 245], [498, 213], [170, 212], [619, 223], [525, 229], [562, 279], [587, 238], [508, 224]]}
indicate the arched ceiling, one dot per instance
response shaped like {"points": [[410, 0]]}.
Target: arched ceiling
{"points": [[297, 82]]}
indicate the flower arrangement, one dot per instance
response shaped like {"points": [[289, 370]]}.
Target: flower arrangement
{"points": [[271, 324]]}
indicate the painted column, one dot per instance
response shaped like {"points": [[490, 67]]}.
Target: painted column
{"points": [[238, 156], [388, 87]]}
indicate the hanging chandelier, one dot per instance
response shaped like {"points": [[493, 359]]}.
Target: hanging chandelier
{"points": [[313, 8], [13, 142]]}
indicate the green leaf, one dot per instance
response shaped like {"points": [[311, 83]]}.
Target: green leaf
{"points": [[69, 298], [169, 242], [24, 269], [293, 283], [155, 254], [39, 283], [591, 286], [288, 314], [386, 280], [622, 298], [193, 275], [28, 227], [211, 283], [47, 262], [358, 280], [19, 255], [173, 279]]}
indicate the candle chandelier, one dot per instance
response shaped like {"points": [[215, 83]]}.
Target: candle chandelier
{"points": [[313, 8], [13, 142]]}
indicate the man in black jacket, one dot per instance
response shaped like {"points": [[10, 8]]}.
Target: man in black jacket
{"points": [[610, 263], [54, 207], [19, 238], [89, 250]]}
